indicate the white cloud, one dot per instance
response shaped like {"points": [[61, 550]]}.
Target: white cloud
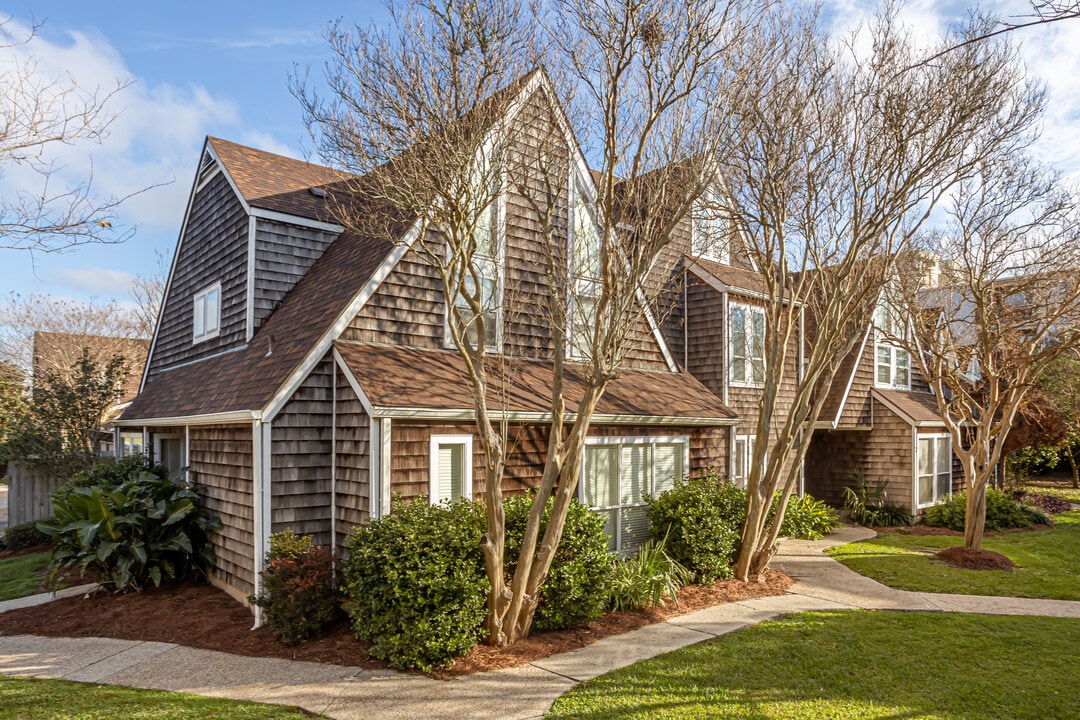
{"points": [[94, 281]]}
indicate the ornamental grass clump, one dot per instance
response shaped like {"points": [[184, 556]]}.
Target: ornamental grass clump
{"points": [[300, 597]]}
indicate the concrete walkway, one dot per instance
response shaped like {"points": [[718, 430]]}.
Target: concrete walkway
{"points": [[523, 692]]}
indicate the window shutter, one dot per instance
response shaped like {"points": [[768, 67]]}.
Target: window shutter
{"points": [[199, 314]]}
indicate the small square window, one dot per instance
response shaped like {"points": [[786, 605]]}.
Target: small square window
{"points": [[450, 467], [206, 319]]}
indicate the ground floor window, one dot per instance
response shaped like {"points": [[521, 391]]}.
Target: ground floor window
{"points": [[744, 455], [451, 467], [934, 469], [617, 474], [169, 451], [131, 444]]}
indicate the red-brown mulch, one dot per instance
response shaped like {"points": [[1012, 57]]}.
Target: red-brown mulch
{"points": [[4, 554], [977, 560], [202, 616]]}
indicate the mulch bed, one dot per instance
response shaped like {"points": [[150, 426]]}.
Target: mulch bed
{"points": [[5, 554], [202, 616], [978, 560]]}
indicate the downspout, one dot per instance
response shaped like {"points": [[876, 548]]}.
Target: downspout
{"points": [[333, 465], [260, 502], [725, 369], [800, 374]]}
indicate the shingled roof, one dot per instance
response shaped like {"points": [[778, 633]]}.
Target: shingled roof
{"points": [[415, 378]]}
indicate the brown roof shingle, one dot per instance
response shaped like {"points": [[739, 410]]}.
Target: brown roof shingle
{"points": [[408, 377], [919, 408]]}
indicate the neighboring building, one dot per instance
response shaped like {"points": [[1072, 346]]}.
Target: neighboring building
{"points": [[305, 374], [59, 352]]}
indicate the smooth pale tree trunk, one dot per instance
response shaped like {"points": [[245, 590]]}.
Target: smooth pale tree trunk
{"points": [[976, 518]]}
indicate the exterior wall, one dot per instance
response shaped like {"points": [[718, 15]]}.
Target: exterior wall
{"points": [[212, 249], [407, 309], [409, 466], [884, 453], [858, 411], [221, 457], [283, 253], [352, 460], [301, 457]]}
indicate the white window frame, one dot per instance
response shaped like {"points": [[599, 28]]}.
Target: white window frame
{"points": [[124, 436], [748, 380], [583, 285], [433, 465], [703, 219], [935, 439], [487, 267], [740, 475], [894, 352], [159, 460], [199, 308], [683, 440]]}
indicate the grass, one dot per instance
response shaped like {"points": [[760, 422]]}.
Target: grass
{"points": [[1053, 485], [1048, 560], [853, 664], [21, 575], [28, 699]]}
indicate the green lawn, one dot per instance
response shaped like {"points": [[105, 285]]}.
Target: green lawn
{"points": [[1048, 560], [1055, 486], [49, 699], [853, 664], [21, 576]]}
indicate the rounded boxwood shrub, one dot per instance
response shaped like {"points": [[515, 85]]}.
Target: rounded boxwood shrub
{"points": [[576, 590], [699, 522], [415, 585], [1002, 512]]}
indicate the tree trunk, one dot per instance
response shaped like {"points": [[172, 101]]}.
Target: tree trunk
{"points": [[975, 519], [1075, 467], [750, 558]]}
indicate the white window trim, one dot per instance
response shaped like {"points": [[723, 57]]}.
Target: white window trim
{"points": [[738, 479], [748, 382], [892, 384], [128, 435], [715, 226], [936, 437], [498, 263], [158, 460], [433, 465], [577, 183], [201, 296], [684, 440]]}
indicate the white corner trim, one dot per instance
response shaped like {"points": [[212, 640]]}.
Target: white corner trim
{"points": [[249, 302], [276, 216], [384, 465], [317, 353], [851, 378]]}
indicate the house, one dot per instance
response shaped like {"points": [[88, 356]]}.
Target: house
{"points": [[59, 352], [304, 373]]}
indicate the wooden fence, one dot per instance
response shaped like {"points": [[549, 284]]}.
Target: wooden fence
{"points": [[29, 490]]}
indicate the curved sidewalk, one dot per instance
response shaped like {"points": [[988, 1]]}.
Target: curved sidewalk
{"points": [[523, 692]]}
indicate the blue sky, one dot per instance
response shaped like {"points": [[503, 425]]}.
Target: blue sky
{"points": [[222, 69]]}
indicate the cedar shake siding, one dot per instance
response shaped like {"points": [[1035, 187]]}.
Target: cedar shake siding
{"points": [[407, 309], [283, 253], [221, 458], [213, 249], [301, 458], [858, 410], [352, 461]]}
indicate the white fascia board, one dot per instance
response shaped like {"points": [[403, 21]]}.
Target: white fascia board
{"points": [[274, 215], [317, 353], [545, 417], [249, 295], [222, 418], [360, 394]]}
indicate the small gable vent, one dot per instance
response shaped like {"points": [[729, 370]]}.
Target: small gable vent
{"points": [[208, 168]]}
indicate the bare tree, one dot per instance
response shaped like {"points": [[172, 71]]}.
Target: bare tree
{"points": [[441, 118], [835, 160], [1007, 308], [147, 291], [1061, 384], [45, 110]]}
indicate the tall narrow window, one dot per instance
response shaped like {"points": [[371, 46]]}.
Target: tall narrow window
{"points": [[747, 342], [484, 270], [450, 467], [934, 469], [585, 287], [206, 320], [617, 474], [744, 456], [892, 364], [709, 233]]}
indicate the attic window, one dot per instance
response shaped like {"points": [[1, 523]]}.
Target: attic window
{"points": [[709, 233], [317, 192], [206, 320]]}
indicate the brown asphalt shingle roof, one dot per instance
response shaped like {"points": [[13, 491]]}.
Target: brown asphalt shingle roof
{"points": [[917, 407], [734, 277], [409, 377]]}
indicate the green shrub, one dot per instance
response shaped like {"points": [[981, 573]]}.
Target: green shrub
{"points": [[576, 589], [109, 474], [645, 578], [25, 535], [300, 596], [147, 529], [415, 584], [807, 518], [1002, 512], [868, 504]]}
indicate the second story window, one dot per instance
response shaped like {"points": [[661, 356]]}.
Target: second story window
{"points": [[206, 321], [892, 364], [481, 282], [585, 283], [747, 342], [709, 237]]}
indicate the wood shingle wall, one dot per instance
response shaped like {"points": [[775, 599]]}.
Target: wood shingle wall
{"points": [[213, 249], [302, 453], [283, 253], [221, 455], [352, 458]]}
